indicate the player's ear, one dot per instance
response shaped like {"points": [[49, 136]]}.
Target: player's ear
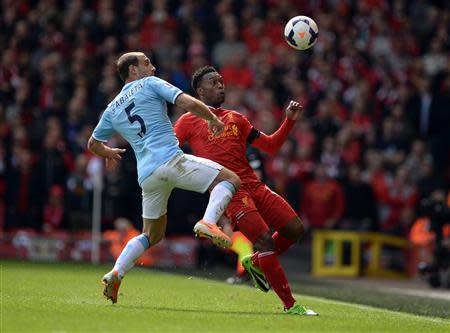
{"points": [[199, 91], [132, 69]]}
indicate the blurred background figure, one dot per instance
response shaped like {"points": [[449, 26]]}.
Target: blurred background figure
{"points": [[54, 210], [118, 238], [322, 201], [242, 247]]}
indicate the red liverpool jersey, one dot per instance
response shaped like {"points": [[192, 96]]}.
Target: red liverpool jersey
{"points": [[227, 149]]}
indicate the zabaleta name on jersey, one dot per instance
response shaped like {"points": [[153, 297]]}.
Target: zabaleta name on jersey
{"points": [[116, 103]]}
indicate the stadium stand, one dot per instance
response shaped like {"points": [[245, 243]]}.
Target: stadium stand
{"points": [[375, 87]]}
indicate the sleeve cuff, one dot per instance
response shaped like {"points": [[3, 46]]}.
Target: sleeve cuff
{"points": [[99, 139], [176, 96]]}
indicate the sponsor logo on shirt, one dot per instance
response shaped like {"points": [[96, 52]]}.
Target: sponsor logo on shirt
{"points": [[230, 130]]}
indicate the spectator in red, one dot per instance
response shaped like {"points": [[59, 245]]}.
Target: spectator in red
{"points": [[349, 145], [253, 33], [281, 168], [304, 134], [236, 72], [23, 192], [396, 201], [322, 201], [54, 210]]}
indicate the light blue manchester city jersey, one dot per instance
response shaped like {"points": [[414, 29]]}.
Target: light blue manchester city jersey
{"points": [[139, 114]]}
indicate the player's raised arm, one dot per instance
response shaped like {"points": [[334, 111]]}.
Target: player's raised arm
{"points": [[272, 143], [198, 108]]}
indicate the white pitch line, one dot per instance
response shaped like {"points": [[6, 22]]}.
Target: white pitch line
{"points": [[372, 308]]}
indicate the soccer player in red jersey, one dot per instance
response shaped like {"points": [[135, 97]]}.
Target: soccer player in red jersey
{"points": [[255, 208]]}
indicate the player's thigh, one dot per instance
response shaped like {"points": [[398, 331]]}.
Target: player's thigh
{"points": [[195, 173], [156, 190], [276, 211], [245, 216]]}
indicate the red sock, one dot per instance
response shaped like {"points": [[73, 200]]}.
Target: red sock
{"points": [[281, 243], [269, 264]]}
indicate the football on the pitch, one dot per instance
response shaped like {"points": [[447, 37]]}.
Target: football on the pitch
{"points": [[301, 32]]}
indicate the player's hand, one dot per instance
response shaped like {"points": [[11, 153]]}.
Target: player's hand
{"points": [[112, 157], [294, 110], [216, 126], [113, 153]]}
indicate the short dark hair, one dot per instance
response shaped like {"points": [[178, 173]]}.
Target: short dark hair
{"points": [[198, 75], [124, 63]]}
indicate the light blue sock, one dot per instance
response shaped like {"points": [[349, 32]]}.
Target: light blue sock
{"points": [[132, 251]]}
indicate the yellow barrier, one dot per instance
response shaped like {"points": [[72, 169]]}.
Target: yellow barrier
{"points": [[334, 265]]}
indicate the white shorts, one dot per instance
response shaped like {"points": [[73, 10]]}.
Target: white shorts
{"points": [[184, 171]]}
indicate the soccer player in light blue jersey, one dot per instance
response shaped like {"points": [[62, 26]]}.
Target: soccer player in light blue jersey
{"points": [[139, 114]]}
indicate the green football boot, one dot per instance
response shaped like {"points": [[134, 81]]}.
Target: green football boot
{"points": [[300, 310], [257, 275]]}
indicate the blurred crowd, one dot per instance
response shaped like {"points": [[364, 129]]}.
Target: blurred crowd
{"points": [[372, 143]]}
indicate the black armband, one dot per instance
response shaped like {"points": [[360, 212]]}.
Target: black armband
{"points": [[254, 134]]}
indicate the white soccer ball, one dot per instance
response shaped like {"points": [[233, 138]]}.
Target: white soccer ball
{"points": [[301, 32]]}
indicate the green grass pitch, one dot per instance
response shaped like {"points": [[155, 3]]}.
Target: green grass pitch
{"points": [[67, 298]]}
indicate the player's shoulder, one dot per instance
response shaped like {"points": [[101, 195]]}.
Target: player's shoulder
{"points": [[111, 107], [154, 80]]}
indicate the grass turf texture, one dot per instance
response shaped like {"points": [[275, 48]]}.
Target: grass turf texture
{"points": [[67, 298]]}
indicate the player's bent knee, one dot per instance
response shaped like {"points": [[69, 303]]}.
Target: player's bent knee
{"points": [[235, 180], [298, 229], [265, 243], [231, 177]]}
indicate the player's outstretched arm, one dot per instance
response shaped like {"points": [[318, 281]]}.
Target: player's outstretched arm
{"points": [[272, 143], [111, 155], [198, 108]]}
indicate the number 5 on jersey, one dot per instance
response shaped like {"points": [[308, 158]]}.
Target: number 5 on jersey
{"points": [[134, 118]]}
